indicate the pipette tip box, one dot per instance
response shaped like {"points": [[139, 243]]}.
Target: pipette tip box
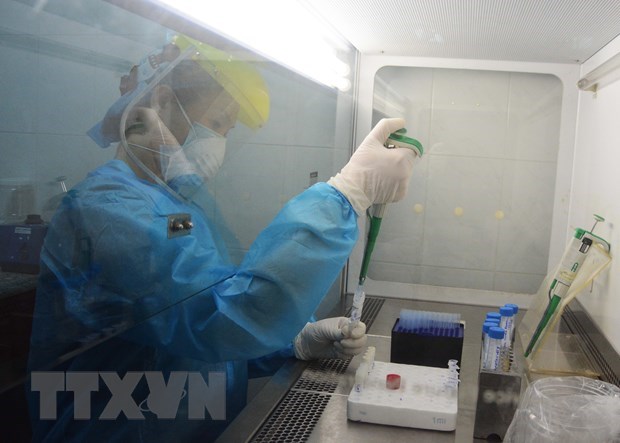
{"points": [[426, 349], [424, 399]]}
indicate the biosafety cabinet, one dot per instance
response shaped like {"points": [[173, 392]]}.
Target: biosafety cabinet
{"points": [[514, 102]]}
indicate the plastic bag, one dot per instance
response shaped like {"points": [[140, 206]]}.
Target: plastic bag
{"points": [[567, 410]]}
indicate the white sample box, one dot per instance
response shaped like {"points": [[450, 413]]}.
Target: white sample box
{"points": [[427, 397]]}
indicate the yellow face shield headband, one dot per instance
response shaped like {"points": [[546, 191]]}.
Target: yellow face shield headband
{"points": [[240, 79]]}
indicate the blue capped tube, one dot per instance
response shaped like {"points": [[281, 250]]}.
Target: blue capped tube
{"points": [[515, 310], [493, 315], [494, 349], [486, 326], [507, 323]]}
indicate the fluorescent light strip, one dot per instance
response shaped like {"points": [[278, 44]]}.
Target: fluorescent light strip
{"points": [[280, 30], [608, 72]]}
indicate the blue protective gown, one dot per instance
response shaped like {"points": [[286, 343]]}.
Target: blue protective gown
{"points": [[116, 294]]}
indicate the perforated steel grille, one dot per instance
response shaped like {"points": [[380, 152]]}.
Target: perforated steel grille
{"points": [[590, 348], [322, 375], [299, 411], [294, 418], [566, 31]]}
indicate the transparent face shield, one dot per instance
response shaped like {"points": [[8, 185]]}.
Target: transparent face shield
{"points": [[174, 130]]}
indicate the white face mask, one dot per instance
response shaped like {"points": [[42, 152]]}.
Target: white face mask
{"points": [[202, 153], [205, 150]]}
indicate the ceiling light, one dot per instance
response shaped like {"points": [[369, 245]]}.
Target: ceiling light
{"points": [[281, 30], [608, 72]]}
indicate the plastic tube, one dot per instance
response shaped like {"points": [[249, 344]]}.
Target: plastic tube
{"points": [[506, 323], [486, 326], [494, 314], [358, 304], [359, 296], [360, 376], [515, 310], [495, 321], [493, 354]]}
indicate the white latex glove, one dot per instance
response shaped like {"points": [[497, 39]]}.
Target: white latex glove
{"points": [[375, 174], [330, 338]]}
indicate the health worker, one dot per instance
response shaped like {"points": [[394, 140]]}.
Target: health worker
{"points": [[136, 279]]}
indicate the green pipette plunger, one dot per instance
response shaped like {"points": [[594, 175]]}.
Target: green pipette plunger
{"points": [[396, 139], [373, 233], [574, 256]]}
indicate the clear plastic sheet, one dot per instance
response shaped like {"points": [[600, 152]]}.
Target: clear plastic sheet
{"points": [[558, 353], [567, 410]]}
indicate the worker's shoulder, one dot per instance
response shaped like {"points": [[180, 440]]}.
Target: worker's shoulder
{"points": [[112, 182]]}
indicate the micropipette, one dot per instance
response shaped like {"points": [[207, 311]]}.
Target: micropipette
{"points": [[574, 256], [396, 139]]}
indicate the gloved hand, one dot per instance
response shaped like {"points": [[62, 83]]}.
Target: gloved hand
{"points": [[330, 338], [375, 174]]}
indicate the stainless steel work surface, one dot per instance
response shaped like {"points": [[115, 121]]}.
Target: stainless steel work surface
{"points": [[320, 415]]}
